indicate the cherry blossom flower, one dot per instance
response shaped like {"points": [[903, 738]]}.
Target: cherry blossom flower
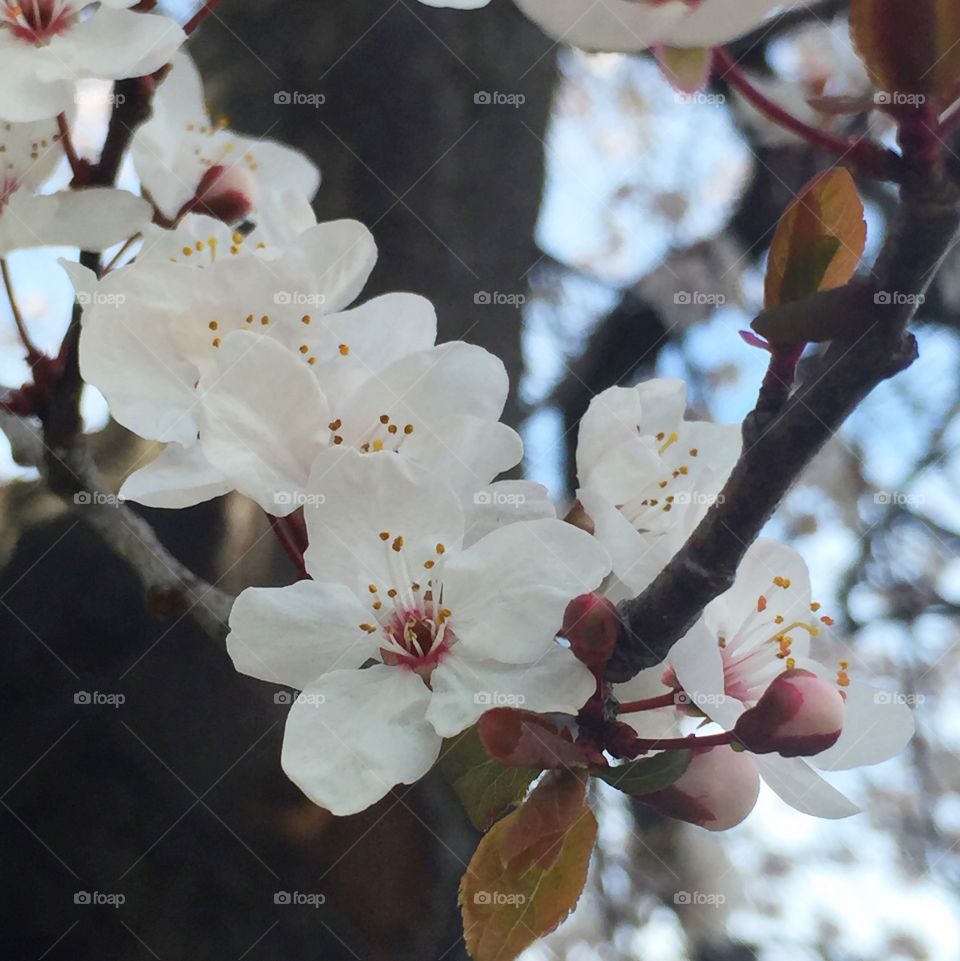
{"points": [[746, 640], [92, 218], [189, 162], [643, 470], [630, 25], [47, 45], [252, 366], [440, 632]]}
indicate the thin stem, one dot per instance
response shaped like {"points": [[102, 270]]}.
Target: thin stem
{"points": [[116, 257], [871, 157], [643, 745], [648, 704], [287, 541], [33, 355], [76, 165], [200, 16]]}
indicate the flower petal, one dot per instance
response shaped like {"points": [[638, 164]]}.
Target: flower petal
{"points": [[353, 735], [464, 688], [508, 591], [178, 477], [505, 502], [293, 635], [877, 725], [353, 498], [793, 780], [342, 254], [263, 420]]}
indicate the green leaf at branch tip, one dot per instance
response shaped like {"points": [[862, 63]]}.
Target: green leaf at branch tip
{"points": [[529, 870], [486, 789], [646, 774]]}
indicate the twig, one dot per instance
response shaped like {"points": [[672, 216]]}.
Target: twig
{"points": [[171, 588], [76, 164], [868, 157], [776, 450], [33, 354], [287, 539], [200, 16]]}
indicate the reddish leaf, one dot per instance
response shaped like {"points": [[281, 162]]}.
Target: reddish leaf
{"points": [[522, 738], [528, 871]]}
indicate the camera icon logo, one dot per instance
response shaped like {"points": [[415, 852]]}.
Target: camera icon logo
{"points": [[682, 897], [281, 897], [481, 897], [482, 97], [283, 697], [482, 498], [282, 97], [682, 297], [82, 697], [81, 897]]}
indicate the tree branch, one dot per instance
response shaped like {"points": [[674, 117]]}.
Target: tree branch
{"points": [[171, 588], [779, 444]]}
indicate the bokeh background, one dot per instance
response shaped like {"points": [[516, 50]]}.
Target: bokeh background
{"points": [[574, 215]]}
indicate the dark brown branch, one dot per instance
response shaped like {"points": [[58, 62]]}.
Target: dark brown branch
{"points": [[778, 445]]}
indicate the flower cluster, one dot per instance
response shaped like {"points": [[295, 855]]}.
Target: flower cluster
{"points": [[231, 327]]}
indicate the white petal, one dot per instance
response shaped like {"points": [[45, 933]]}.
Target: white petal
{"points": [[23, 96], [293, 635], [877, 725], [802, 788], [637, 558], [427, 386], [379, 333], [465, 451], [698, 664], [353, 498], [464, 688], [116, 44], [508, 591], [663, 401], [342, 254], [353, 735], [178, 477], [263, 420], [505, 502]]}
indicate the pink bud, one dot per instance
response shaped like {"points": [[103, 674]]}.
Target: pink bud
{"points": [[592, 625], [717, 790], [798, 715], [226, 193]]}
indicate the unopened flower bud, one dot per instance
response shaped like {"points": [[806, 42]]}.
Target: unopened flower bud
{"points": [[717, 791], [226, 193], [592, 625], [798, 715]]}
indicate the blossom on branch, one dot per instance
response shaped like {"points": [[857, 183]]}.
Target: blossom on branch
{"points": [[92, 218], [404, 637], [48, 45]]}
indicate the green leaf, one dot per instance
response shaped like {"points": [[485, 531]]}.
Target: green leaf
{"points": [[647, 774], [486, 789], [529, 870]]}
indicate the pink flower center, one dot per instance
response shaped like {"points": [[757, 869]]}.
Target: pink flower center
{"points": [[37, 21], [408, 612]]}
